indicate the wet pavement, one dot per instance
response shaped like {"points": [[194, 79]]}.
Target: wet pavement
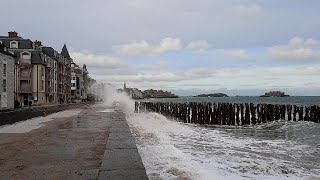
{"points": [[93, 143]]}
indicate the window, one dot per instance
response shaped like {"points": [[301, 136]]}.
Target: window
{"points": [[4, 84], [42, 85], [4, 70], [73, 84], [26, 55], [14, 44], [73, 78], [42, 71]]}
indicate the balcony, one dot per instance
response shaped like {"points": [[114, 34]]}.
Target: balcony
{"points": [[25, 89], [49, 77], [25, 76], [25, 62], [49, 89]]}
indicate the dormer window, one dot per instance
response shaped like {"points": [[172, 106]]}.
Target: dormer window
{"points": [[26, 55], [14, 45]]}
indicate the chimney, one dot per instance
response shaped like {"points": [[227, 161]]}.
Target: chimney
{"points": [[37, 44], [12, 34]]}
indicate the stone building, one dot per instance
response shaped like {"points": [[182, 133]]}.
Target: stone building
{"points": [[52, 74], [6, 79], [80, 83], [64, 75], [76, 83], [41, 74]]}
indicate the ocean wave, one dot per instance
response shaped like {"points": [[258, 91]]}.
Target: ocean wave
{"points": [[172, 149]]}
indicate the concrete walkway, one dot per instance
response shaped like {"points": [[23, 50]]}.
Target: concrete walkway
{"points": [[121, 158], [86, 144]]}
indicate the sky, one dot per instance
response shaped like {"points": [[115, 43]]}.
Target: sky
{"points": [[238, 47]]}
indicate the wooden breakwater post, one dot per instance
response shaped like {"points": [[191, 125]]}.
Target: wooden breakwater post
{"points": [[230, 114]]}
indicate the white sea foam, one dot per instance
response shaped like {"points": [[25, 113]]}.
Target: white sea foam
{"points": [[173, 150]]}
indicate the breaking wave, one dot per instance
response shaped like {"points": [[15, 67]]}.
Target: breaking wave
{"points": [[174, 150]]}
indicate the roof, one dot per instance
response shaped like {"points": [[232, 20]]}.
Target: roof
{"points": [[36, 57], [78, 71], [23, 43], [3, 51], [49, 51], [65, 52]]}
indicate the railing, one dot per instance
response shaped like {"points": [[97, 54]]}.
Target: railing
{"points": [[25, 61], [25, 89], [49, 89], [230, 114], [25, 76]]}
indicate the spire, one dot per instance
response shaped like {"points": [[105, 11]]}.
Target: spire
{"points": [[65, 52]]}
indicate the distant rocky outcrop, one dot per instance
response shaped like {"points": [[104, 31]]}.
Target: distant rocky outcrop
{"points": [[274, 94], [212, 95], [152, 93]]}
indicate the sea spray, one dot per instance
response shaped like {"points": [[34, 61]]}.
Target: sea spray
{"points": [[113, 97], [173, 150]]}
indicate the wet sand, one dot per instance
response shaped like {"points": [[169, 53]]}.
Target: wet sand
{"points": [[69, 147]]}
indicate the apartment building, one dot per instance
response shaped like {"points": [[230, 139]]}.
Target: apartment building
{"points": [[42, 75], [6, 79], [51, 74], [76, 83], [80, 83], [64, 75]]}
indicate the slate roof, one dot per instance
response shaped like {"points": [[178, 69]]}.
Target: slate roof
{"points": [[78, 71], [23, 43], [65, 52], [49, 51], [36, 57], [2, 51]]}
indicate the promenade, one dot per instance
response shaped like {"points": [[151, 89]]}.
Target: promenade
{"points": [[89, 142]]}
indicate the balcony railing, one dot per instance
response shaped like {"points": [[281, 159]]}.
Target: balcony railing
{"points": [[25, 89], [49, 89], [25, 62], [25, 76]]}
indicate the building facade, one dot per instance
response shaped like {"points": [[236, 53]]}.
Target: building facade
{"points": [[42, 75], [64, 75], [76, 83], [6, 79], [80, 83]]}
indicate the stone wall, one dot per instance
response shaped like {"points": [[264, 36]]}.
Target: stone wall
{"points": [[24, 114], [7, 98]]}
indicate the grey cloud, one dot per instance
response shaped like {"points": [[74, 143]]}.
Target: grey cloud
{"points": [[97, 61], [298, 49], [143, 48], [97, 25], [158, 66]]}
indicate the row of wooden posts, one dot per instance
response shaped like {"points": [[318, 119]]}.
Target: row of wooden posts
{"points": [[230, 114]]}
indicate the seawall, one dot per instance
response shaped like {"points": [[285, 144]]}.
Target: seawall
{"points": [[11, 117]]}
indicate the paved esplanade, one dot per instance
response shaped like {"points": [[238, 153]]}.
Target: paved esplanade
{"points": [[121, 158], [90, 142]]}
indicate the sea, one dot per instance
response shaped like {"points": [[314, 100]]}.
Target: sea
{"points": [[293, 100], [176, 150]]}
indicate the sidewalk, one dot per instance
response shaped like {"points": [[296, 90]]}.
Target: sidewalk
{"points": [[85, 145], [121, 160]]}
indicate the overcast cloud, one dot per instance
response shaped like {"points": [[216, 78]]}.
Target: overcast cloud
{"points": [[237, 46]]}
